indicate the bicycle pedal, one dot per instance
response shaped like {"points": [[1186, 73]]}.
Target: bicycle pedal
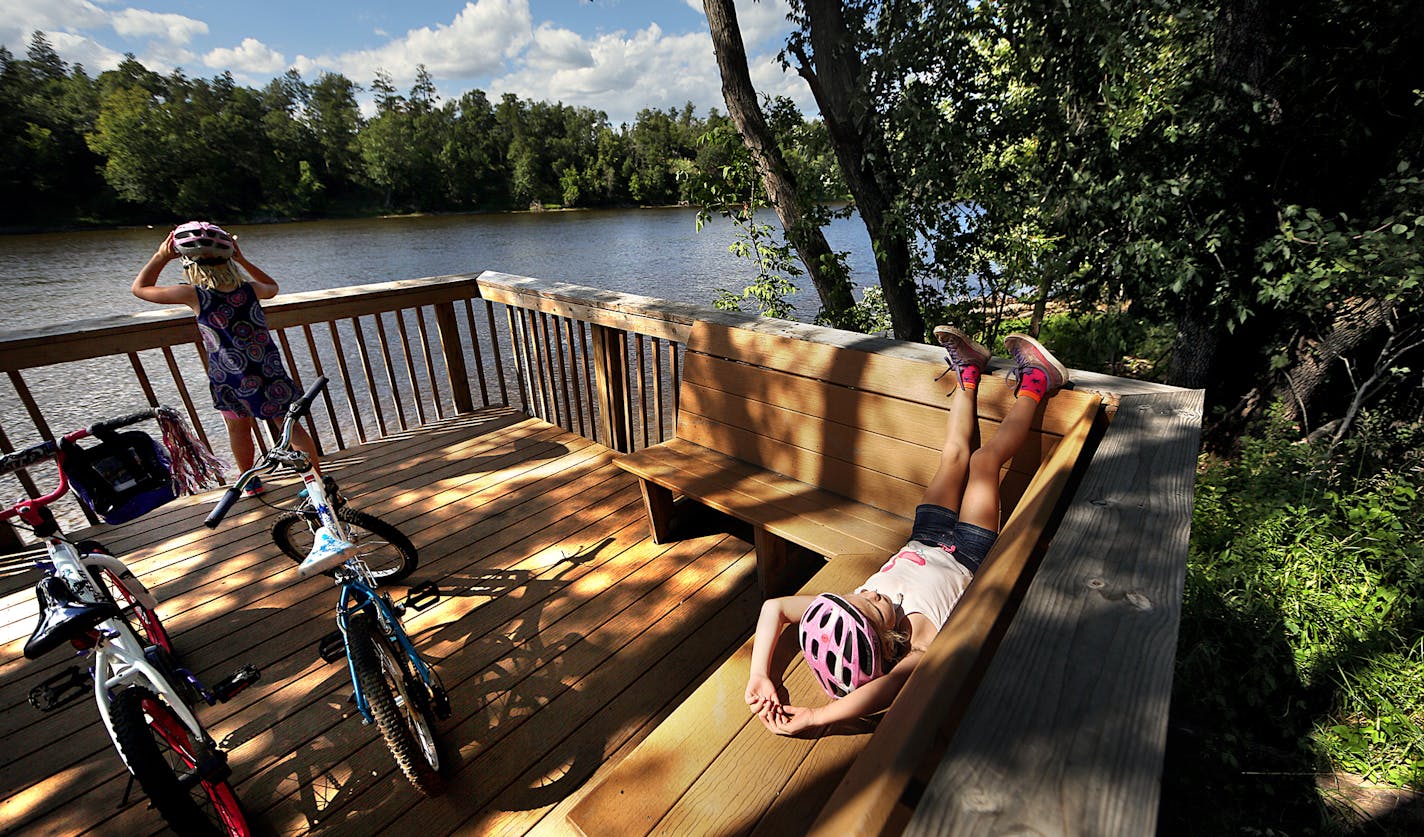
{"points": [[439, 702], [60, 689], [228, 687], [422, 595], [331, 647]]}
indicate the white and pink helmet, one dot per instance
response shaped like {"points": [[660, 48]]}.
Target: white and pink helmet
{"points": [[202, 242], [839, 644]]}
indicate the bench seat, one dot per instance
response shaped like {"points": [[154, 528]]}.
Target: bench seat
{"points": [[807, 454], [827, 447]]}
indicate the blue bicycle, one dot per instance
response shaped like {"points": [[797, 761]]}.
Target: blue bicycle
{"points": [[394, 687]]}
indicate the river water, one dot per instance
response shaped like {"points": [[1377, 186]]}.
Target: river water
{"points": [[55, 278], [49, 279]]}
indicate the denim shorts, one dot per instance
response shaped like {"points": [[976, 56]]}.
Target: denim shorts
{"points": [[938, 526]]}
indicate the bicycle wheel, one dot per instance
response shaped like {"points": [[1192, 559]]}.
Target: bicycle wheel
{"points": [[386, 551], [398, 700], [163, 757], [129, 594]]}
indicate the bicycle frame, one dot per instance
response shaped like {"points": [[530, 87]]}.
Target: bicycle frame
{"points": [[357, 595], [118, 656], [359, 592]]}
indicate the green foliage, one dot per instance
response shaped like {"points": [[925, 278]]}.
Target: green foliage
{"points": [[1113, 342], [181, 146], [1300, 646], [734, 191]]}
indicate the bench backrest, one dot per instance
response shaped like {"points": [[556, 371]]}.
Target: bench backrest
{"points": [[864, 425]]}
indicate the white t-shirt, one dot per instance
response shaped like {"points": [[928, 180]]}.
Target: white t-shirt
{"points": [[921, 579]]}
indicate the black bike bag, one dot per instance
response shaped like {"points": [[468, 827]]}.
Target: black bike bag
{"points": [[123, 477]]}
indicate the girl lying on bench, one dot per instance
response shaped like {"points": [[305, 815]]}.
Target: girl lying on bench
{"points": [[862, 646]]}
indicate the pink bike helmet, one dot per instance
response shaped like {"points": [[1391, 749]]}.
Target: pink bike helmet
{"points": [[202, 242], [839, 644]]}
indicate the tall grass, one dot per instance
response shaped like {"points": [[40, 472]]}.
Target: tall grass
{"points": [[1301, 652], [1302, 637]]}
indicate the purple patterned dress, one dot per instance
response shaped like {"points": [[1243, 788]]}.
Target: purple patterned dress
{"points": [[244, 367]]}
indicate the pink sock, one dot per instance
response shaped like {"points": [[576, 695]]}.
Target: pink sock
{"points": [[1033, 382], [969, 377]]}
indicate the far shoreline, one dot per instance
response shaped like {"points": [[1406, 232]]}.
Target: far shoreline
{"points": [[263, 221]]}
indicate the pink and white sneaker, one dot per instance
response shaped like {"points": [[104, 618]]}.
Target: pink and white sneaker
{"points": [[1037, 371], [965, 356]]}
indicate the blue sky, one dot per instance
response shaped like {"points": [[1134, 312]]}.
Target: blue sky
{"points": [[614, 55]]}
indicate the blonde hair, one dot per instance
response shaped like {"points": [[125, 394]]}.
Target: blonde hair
{"points": [[223, 276]]}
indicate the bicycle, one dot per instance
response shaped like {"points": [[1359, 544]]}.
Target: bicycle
{"points": [[91, 600], [394, 687]]}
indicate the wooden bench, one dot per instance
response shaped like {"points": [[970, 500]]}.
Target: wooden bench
{"points": [[824, 446], [827, 447]]}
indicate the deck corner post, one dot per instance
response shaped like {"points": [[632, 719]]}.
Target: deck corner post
{"points": [[611, 374], [454, 353]]}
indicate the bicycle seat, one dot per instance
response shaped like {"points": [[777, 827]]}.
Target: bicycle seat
{"points": [[63, 617]]}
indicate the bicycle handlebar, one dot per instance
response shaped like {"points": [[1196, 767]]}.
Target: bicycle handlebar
{"points": [[302, 405], [221, 509], [297, 410], [35, 454]]}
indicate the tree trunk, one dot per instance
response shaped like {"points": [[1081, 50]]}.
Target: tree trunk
{"points": [[1354, 323], [826, 271], [1194, 350], [837, 81]]}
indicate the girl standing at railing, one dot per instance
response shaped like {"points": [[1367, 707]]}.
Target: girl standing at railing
{"points": [[862, 646], [245, 370]]}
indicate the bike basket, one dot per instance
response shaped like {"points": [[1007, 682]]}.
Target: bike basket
{"points": [[123, 477]]}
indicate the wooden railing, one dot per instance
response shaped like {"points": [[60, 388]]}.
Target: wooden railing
{"points": [[399, 355]]}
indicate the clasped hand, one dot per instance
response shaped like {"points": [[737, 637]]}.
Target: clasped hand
{"points": [[780, 718]]}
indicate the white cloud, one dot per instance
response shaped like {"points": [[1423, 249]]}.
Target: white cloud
{"points": [[648, 68], [472, 45], [137, 23], [491, 44], [555, 49], [251, 56], [78, 49], [764, 25]]}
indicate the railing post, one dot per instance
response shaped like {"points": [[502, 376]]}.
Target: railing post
{"points": [[610, 365], [454, 354]]}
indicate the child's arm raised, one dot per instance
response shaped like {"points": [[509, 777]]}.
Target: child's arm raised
{"points": [[263, 285], [145, 284], [761, 693]]}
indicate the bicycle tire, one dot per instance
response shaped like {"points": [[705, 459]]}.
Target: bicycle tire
{"points": [[145, 622], [399, 702], [387, 552], [159, 752]]}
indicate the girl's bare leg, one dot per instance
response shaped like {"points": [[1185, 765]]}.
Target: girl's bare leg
{"points": [[946, 488], [239, 438], [981, 495]]}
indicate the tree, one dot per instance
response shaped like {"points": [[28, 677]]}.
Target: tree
{"points": [[335, 121], [827, 271], [827, 52]]}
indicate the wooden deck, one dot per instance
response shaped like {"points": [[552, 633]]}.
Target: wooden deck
{"points": [[565, 636]]}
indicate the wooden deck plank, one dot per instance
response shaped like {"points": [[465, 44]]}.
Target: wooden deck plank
{"points": [[285, 598], [564, 638]]}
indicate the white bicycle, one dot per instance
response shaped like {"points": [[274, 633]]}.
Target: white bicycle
{"points": [[91, 601]]}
